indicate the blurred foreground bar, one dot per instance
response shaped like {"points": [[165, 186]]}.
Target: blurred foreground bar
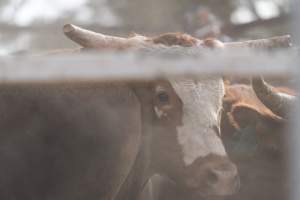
{"points": [[293, 140], [142, 66]]}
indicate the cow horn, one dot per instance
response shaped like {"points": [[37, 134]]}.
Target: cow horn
{"points": [[269, 43], [90, 39], [277, 102]]}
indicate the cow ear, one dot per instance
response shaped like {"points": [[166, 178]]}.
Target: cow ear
{"points": [[243, 115]]}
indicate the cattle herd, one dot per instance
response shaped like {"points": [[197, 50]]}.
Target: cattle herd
{"points": [[178, 138]]}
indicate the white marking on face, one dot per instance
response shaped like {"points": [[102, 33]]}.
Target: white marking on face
{"points": [[202, 101], [159, 113]]}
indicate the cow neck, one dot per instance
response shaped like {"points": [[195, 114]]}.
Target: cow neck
{"points": [[141, 170], [145, 96]]}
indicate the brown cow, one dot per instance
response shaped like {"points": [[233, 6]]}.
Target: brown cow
{"points": [[243, 107], [105, 140], [253, 126]]}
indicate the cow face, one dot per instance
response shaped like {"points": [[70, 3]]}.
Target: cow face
{"points": [[186, 138], [186, 144]]}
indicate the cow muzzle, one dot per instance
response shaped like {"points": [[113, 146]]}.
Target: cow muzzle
{"points": [[213, 175]]}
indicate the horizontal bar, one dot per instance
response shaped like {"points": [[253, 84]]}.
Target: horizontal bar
{"points": [[138, 67]]}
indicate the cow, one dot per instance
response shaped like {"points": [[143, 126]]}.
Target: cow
{"points": [[254, 125], [165, 188], [93, 140], [244, 106], [254, 121]]}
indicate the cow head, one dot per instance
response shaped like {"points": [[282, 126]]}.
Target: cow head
{"points": [[259, 109], [186, 144]]}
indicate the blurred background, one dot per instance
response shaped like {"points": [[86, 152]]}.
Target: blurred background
{"points": [[37, 24]]}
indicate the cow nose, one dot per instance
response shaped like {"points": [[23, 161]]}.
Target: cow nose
{"points": [[224, 178], [224, 173], [213, 175]]}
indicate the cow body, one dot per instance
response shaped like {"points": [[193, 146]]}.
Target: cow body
{"points": [[56, 141]]}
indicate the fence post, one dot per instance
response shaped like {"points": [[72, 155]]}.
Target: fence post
{"points": [[293, 140]]}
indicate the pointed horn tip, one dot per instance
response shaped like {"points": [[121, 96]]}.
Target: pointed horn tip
{"points": [[287, 37], [285, 40], [68, 28]]}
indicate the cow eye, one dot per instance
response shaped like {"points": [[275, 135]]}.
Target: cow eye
{"points": [[163, 97]]}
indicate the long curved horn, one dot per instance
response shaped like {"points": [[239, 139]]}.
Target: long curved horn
{"points": [[90, 39], [277, 102]]}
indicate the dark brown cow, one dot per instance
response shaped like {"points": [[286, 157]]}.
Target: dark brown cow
{"points": [[254, 124], [243, 108], [104, 141]]}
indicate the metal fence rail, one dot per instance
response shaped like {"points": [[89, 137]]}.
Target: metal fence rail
{"points": [[139, 67]]}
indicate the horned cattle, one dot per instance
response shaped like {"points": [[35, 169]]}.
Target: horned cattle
{"points": [[259, 107], [105, 140], [254, 125]]}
